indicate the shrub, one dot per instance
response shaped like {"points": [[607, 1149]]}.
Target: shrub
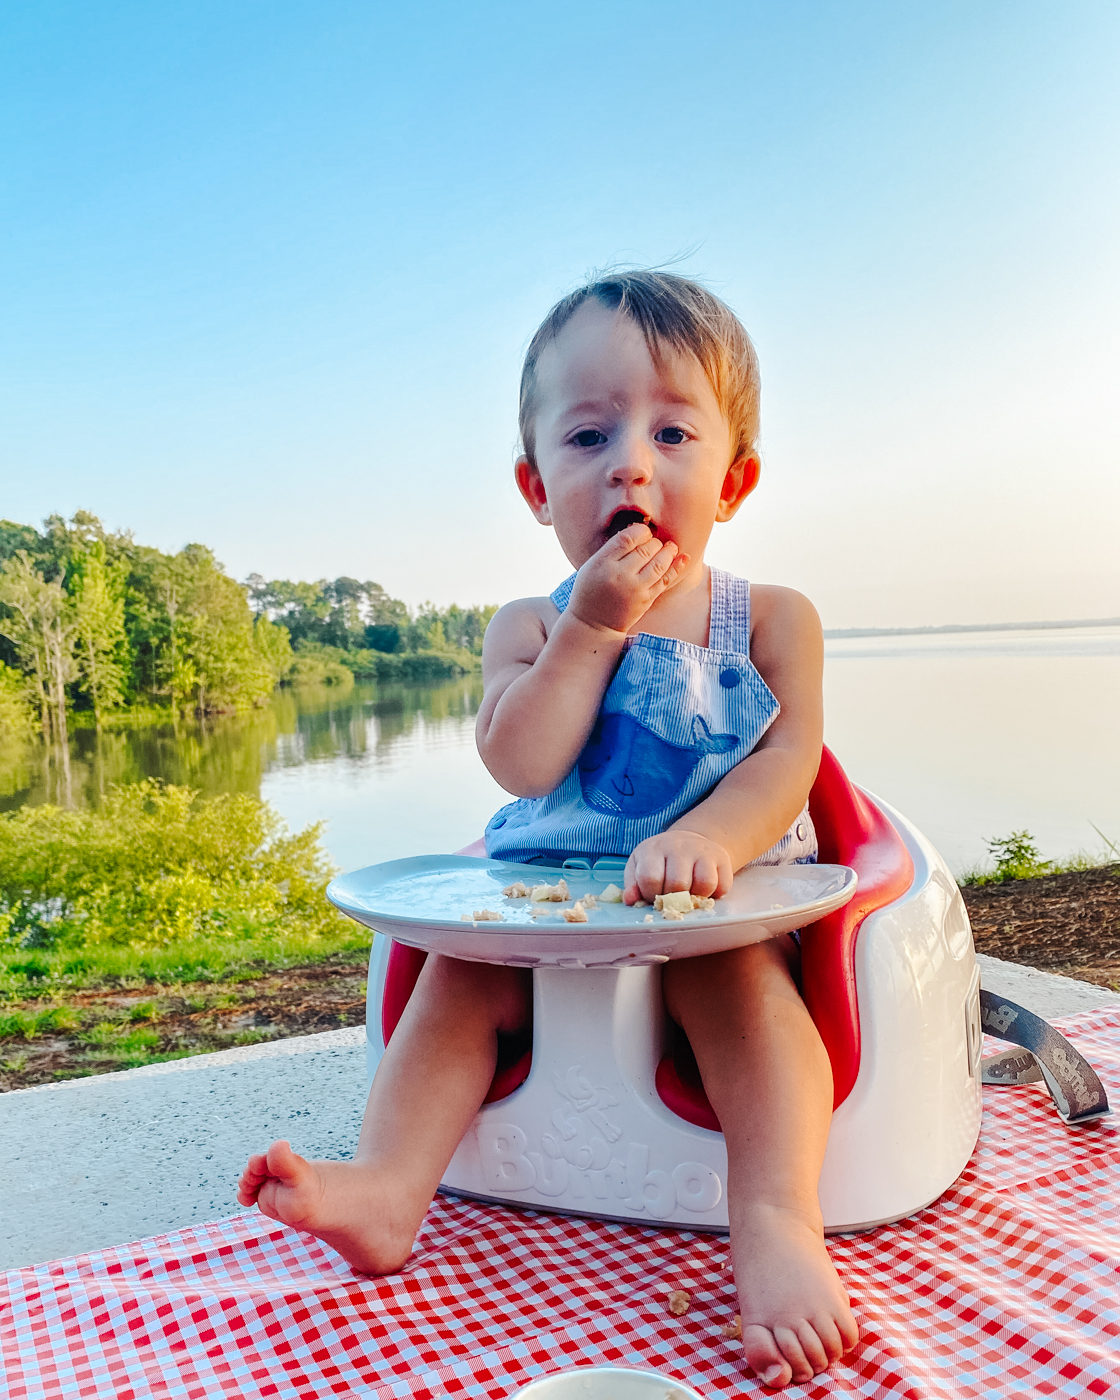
{"points": [[1017, 857], [156, 868]]}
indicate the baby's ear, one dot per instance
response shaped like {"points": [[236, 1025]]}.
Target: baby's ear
{"points": [[741, 479], [531, 485]]}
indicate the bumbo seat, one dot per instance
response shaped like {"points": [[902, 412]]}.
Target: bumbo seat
{"points": [[606, 1115]]}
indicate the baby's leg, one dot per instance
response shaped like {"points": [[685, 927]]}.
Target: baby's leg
{"points": [[767, 1075], [429, 1085]]}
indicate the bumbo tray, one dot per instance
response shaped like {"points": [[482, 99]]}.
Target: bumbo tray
{"points": [[422, 902]]}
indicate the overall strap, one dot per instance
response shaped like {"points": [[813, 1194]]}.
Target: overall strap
{"points": [[562, 596], [729, 626]]}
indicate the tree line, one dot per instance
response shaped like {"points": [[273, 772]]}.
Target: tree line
{"points": [[93, 623]]}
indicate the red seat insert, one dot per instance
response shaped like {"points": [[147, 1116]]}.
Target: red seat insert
{"points": [[851, 831]]}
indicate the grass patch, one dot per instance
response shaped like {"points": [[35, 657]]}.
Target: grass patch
{"points": [[1017, 857], [199, 960]]}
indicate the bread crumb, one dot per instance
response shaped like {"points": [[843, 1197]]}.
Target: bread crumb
{"points": [[678, 1302], [648, 919], [734, 1330], [640, 904], [589, 901], [611, 895], [682, 902], [518, 890], [549, 894], [487, 916], [575, 915]]}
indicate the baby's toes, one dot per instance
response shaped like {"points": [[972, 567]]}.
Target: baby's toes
{"points": [[831, 1337], [252, 1179], [819, 1343], [764, 1358]]}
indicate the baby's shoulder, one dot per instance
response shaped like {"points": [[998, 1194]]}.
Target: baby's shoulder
{"points": [[782, 620], [518, 630]]}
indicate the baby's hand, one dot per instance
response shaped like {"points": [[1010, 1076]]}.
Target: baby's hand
{"points": [[617, 586], [677, 860]]}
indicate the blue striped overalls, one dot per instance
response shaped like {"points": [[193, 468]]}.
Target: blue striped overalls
{"points": [[675, 719]]}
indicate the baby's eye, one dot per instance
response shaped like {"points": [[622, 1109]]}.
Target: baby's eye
{"points": [[589, 437], [672, 437]]}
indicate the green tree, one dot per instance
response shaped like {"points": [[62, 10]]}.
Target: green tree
{"points": [[17, 719], [275, 646], [97, 589], [40, 624], [215, 627]]}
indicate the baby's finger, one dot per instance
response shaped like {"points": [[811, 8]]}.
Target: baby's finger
{"points": [[676, 571], [649, 873], [724, 874], [628, 540], [705, 875], [659, 562], [630, 891], [678, 874]]}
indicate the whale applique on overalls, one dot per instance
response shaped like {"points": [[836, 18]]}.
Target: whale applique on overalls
{"points": [[628, 769], [675, 719]]}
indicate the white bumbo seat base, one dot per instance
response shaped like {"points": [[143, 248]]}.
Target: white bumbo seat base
{"points": [[589, 1132]]}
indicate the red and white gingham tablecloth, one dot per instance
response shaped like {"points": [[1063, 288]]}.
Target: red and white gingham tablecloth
{"points": [[1009, 1286]]}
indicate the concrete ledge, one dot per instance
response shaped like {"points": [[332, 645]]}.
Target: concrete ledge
{"points": [[1044, 993], [94, 1162], [88, 1163]]}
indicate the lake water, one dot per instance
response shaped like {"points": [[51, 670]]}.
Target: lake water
{"points": [[972, 735]]}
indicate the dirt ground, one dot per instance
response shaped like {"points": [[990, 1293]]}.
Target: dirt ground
{"points": [[1061, 923], [121, 1030]]}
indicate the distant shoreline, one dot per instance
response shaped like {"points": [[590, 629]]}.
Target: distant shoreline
{"points": [[837, 633]]}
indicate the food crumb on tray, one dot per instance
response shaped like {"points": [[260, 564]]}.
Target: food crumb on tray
{"points": [[483, 916], [680, 902], [678, 1302], [576, 914], [550, 894], [518, 890], [611, 895]]}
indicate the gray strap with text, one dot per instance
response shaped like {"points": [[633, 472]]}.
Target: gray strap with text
{"points": [[1045, 1054]]}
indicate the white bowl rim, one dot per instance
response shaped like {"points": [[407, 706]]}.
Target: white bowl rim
{"points": [[660, 1377]]}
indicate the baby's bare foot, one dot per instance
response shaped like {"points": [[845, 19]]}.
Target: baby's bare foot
{"points": [[360, 1210], [795, 1314]]}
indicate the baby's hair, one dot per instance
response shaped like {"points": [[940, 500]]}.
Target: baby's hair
{"points": [[671, 311]]}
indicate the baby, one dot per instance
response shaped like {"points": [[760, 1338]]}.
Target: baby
{"points": [[650, 707]]}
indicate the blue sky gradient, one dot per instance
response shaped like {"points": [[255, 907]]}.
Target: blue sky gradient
{"points": [[268, 271]]}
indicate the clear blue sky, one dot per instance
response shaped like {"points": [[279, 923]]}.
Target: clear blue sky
{"points": [[269, 268]]}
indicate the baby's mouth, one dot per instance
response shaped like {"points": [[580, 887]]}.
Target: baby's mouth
{"points": [[621, 518]]}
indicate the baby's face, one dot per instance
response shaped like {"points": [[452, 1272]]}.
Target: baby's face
{"points": [[620, 440]]}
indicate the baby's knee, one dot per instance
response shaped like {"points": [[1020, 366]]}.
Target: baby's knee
{"points": [[506, 993]]}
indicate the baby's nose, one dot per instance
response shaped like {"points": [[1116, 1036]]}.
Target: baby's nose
{"points": [[632, 461]]}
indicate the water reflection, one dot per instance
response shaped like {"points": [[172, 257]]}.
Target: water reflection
{"points": [[972, 736], [308, 725]]}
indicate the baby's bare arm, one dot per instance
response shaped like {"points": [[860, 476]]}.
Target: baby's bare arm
{"points": [[545, 673], [755, 803]]}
